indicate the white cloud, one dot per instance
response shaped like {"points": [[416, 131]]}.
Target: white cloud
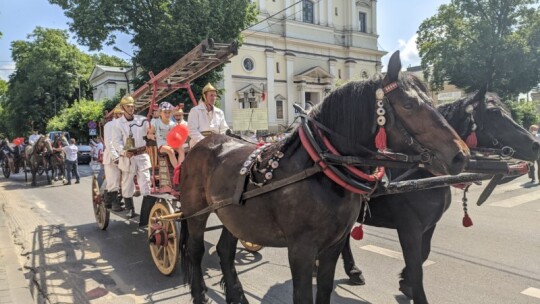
{"points": [[6, 70], [408, 53]]}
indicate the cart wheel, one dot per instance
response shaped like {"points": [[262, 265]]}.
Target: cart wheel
{"points": [[101, 213], [251, 247], [5, 168], [164, 237]]}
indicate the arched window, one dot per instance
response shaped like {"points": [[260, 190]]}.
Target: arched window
{"points": [[307, 11]]}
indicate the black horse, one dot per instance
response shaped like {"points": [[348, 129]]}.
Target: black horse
{"points": [[310, 216], [37, 157], [415, 215]]}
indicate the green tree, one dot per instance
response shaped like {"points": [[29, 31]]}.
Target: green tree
{"points": [[75, 118], [162, 30], [524, 113], [44, 78], [477, 43], [108, 60]]}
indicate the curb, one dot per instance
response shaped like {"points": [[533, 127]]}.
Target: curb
{"points": [[14, 287]]}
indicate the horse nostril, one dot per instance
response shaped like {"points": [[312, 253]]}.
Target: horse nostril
{"points": [[458, 163]]}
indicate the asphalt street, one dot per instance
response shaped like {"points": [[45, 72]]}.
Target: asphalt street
{"points": [[67, 259]]}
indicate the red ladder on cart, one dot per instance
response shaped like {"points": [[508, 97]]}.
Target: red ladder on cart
{"points": [[202, 59]]}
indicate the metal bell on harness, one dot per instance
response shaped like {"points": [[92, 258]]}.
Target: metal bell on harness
{"points": [[130, 143]]}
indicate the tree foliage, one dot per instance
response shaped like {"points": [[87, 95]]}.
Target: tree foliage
{"points": [[162, 30], [76, 118], [478, 43], [524, 113], [48, 70]]}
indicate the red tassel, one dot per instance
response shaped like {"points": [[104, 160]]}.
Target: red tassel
{"points": [[357, 233], [471, 140], [467, 221], [380, 139]]}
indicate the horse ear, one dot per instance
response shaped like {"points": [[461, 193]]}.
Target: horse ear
{"points": [[394, 67]]}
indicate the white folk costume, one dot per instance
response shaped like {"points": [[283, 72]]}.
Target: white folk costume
{"points": [[200, 119], [111, 157], [139, 163]]}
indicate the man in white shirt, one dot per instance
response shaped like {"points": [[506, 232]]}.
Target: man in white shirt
{"points": [[71, 161], [133, 162], [110, 163], [33, 137], [206, 117]]}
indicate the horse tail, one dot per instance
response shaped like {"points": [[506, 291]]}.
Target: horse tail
{"points": [[186, 265]]}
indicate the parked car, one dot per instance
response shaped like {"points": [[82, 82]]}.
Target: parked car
{"points": [[84, 156]]}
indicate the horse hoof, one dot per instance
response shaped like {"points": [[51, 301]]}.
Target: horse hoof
{"points": [[405, 289], [356, 277]]}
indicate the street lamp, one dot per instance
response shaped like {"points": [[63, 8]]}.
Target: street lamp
{"points": [[78, 82], [134, 67], [54, 100]]}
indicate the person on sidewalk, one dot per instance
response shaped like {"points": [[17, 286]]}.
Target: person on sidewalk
{"points": [[532, 171], [71, 161], [135, 161]]}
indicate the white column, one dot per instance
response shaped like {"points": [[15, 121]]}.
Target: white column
{"points": [[228, 102], [316, 13], [298, 11], [270, 91], [291, 94], [330, 13], [354, 15], [262, 5], [332, 69], [374, 17], [349, 69], [289, 11], [301, 87]]}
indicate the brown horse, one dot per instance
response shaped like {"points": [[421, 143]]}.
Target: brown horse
{"points": [[37, 157], [415, 215], [58, 158], [310, 216]]}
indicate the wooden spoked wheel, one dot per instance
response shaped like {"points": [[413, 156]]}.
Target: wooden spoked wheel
{"points": [[100, 212], [164, 238], [252, 247]]}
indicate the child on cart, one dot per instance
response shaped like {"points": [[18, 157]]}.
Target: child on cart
{"points": [[160, 129]]}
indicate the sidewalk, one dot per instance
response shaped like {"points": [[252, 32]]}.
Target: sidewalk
{"points": [[13, 285]]}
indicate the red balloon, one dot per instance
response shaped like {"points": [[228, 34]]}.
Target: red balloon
{"points": [[177, 136]]}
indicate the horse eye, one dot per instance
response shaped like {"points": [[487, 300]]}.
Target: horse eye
{"points": [[408, 106]]}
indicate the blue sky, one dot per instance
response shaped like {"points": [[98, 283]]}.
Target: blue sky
{"points": [[398, 21]]}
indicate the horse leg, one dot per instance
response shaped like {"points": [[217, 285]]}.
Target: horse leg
{"points": [[195, 253], [226, 249], [354, 273], [411, 284], [302, 261], [326, 271]]}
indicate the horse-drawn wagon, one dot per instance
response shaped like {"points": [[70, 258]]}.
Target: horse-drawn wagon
{"points": [[164, 235]]}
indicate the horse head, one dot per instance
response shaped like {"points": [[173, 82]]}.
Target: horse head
{"points": [[403, 108], [483, 115]]}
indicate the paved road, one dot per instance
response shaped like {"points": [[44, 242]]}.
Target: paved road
{"points": [[71, 261]]}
